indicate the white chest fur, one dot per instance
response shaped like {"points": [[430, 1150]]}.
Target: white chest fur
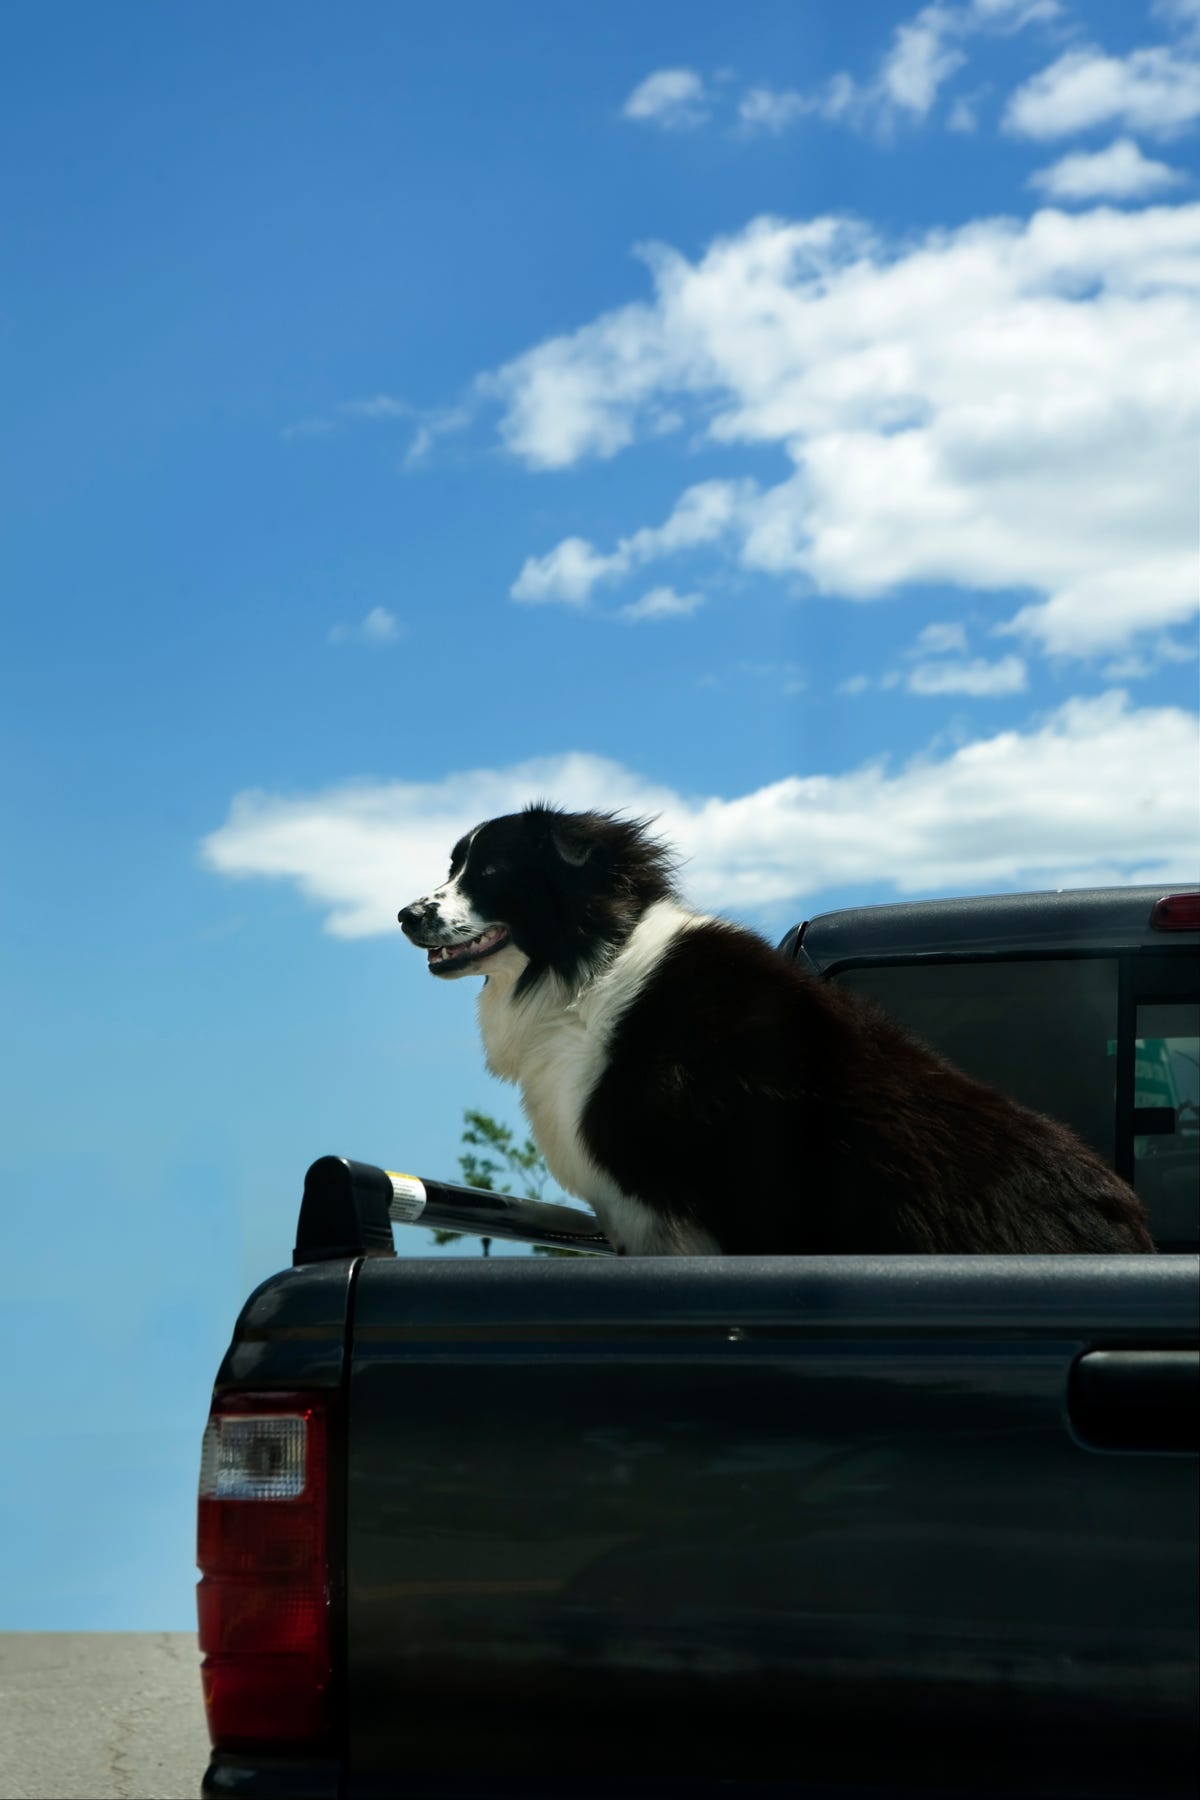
{"points": [[554, 1044]]}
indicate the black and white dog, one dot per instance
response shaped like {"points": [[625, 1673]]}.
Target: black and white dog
{"points": [[706, 1095]]}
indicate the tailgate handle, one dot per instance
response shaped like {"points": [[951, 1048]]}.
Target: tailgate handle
{"points": [[1136, 1399]]}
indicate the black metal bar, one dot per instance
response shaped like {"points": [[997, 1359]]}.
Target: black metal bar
{"points": [[349, 1209], [479, 1211]]}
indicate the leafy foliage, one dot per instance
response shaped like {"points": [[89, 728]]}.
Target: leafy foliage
{"points": [[491, 1150], [521, 1165]]}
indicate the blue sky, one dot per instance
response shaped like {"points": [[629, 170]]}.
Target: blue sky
{"points": [[782, 418]]}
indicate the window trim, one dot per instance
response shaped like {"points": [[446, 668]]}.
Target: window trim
{"points": [[1140, 986]]}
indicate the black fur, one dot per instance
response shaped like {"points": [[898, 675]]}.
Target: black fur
{"points": [[784, 1114]]}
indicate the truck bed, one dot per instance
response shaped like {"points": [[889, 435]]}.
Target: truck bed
{"points": [[905, 1525]]}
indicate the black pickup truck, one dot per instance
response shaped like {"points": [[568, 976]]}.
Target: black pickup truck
{"points": [[831, 1526]]}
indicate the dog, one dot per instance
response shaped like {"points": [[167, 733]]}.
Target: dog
{"points": [[707, 1096]]}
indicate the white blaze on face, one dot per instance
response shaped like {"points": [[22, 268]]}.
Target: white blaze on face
{"points": [[456, 918]]}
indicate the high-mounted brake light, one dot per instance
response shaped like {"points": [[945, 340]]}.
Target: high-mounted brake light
{"points": [[262, 1550], [1176, 912]]}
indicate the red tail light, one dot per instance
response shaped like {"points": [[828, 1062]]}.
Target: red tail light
{"points": [[262, 1550], [1176, 912]]}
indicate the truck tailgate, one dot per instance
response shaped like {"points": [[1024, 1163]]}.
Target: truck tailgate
{"points": [[830, 1520]]}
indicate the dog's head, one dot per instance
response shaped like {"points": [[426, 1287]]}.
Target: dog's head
{"points": [[552, 889]]}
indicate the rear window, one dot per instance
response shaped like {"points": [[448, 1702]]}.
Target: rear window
{"points": [[1046, 1033], [1040, 1031]]}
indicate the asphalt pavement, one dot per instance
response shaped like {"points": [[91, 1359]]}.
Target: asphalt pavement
{"points": [[100, 1715]]}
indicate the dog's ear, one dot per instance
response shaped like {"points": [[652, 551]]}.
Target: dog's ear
{"points": [[574, 850]]}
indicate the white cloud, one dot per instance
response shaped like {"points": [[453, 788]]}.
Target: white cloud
{"points": [[1136, 665], [920, 60], [379, 626], [568, 573], [964, 114], [924, 53], [673, 99], [1103, 609], [702, 514], [380, 406], [1121, 171], [431, 422], [1128, 668], [772, 109], [434, 424], [941, 638], [1014, 15], [1098, 790], [575, 396], [1154, 90], [1182, 16], [662, 603], [574, 567], [978, 678], [940, 665], [842, 98], [1011, 406]]}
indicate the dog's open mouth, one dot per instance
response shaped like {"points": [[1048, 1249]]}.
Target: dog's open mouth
{"points": [[445, 957]]}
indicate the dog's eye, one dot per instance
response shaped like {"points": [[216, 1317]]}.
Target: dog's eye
{"points": [[490, 870]]}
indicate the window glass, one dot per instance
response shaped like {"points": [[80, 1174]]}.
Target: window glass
{"points": [[1166, 1120], [1040, 1031]]}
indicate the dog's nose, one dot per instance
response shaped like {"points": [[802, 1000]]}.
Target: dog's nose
{"points": [[410, 917]]}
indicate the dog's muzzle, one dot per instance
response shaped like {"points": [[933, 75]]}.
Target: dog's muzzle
{"points": [[422, 926]]}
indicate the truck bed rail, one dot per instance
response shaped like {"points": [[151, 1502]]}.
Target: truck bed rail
{"points": [[349, 1209]]}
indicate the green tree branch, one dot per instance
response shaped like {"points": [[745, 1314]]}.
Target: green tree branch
{"points": [[490, 1150]]}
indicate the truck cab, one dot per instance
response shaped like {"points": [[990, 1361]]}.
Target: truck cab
{"points": [[1084, 1005]]}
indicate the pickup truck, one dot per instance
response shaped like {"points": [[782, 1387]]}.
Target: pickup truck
{"points": [[828, 1526]]}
